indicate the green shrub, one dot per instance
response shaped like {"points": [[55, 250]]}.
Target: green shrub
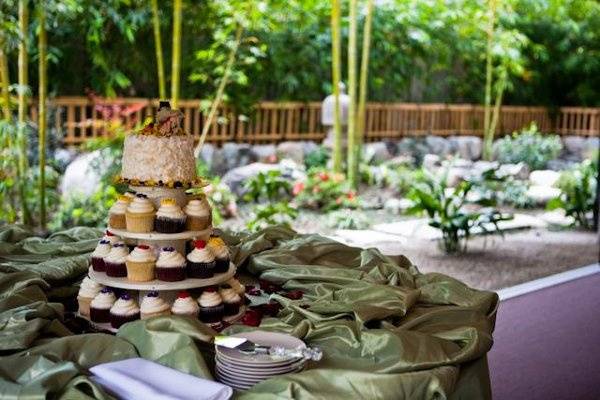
{"points": [[324, 190], [280, 213], [578, 192], [344, 219], [317, 158], [397, 177], [80, 210], [221, 199], [503, 189], [267, 186], [528, 146]]}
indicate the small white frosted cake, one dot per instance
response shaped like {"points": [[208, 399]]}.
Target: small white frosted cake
{"points": [[161, 154]]}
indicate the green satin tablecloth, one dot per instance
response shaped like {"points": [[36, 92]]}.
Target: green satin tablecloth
{"points": [[387, 331]]}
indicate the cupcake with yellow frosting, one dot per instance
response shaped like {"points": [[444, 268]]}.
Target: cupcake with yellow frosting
{"points": [[139, 216], [153, 306], [231, 300], [87, 291], [221, 252], [199, 214], [211, 305], [140, 264], [116, 214], [169, 217], [184, 305], [170, 266], [124, 310], [237, 286], [114, 262], [200, 261]]}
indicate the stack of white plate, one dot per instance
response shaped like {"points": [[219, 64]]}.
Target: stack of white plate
{"points": [[242, 371]]}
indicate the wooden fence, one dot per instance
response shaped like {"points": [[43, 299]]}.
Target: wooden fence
{"points": [[79, 119]]}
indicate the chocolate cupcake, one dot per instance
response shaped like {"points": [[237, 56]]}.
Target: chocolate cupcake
{"points": [[200, 261], [139, 216], [153, 306], [116, 214], [101, 304], [221, 252], [231, 300], [199, 214], [87, 291], [101, 251], [211, 306], [114, 262], [124, 310], [184, 305], [170, 266], [169, 217], [237, 286]]}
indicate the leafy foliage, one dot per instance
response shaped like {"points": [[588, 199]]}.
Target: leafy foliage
{"points": [[528, 146], [269, 186], [274, 190], [451, 212], [502, 189], [324, 190], [79, 210], [397, 177], [578, 192], [317, 158], [221, 199], [344, 219], [280, 213]]}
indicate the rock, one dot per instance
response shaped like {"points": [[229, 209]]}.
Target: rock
{"points": [[431, 162], [236, 177], [438, 145], [82, 176], [64, 157], [400, 161], [309, 147], [467, 147], [206, 155], [575, 146], [412, 147], [542, 194], [545, 178], [560, 165], [265, 152], [517, 171], [455, 175], [479, 167], [231, 156], [291, 150], [397, 206], [592, 146], [376, 153]]}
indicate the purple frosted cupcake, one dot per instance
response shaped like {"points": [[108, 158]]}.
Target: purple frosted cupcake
{"points": [[211, 306], [200, 261], [101, 251], [170, 266], [114, 262], [101, 304], [231, 300], [170, 218], [124, 310]]}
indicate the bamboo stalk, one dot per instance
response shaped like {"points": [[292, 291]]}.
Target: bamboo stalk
{"points": [[336, 61], [352, 164], [364, 74], [4, 83], [176, 55], [42, 44], [487, 151], [497, 104], [162, 91], [22, 112], [221, 89]]}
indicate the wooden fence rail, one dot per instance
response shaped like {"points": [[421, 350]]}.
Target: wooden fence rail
{"points": [[79, 119]]}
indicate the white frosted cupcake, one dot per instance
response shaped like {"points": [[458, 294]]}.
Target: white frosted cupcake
{"points": [[111, 237], [101, 251], [140, 264], [237, 286], [185, 305], [231, 300], [87, 291], [114, 262], [116, 214], [211, 305], [139, 216], [200, 261], [101, 304], [199, 214], [124, 310], [170, 266], [153, 306], [169, 217]]}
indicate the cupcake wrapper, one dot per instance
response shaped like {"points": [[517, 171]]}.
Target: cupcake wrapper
{"points": [[98, 264], [194, 223], [140, 222], [117, 320], [117, 221], [232, 308], [200, 270], [156, 314], [116, 270], [168, 225], [84, 305], [221, 265], [171, 274], [212, 314], [140, 271], [100, 315]]}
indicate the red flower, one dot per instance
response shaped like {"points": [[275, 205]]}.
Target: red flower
{"points": [[269, 287], [252, 318], [339, 200], [298, 187], [323, 176], [294, 294], [351, 195]]}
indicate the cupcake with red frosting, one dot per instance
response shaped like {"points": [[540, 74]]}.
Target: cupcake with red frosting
{"points": [[200, 261], [170, 266], [211, 306], [185, 305], [140, 264]]}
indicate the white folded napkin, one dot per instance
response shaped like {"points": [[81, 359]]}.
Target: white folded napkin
{"points": [[137, 378]]}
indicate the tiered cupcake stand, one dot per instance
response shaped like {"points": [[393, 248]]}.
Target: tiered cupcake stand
{"points": [[167, 290]]}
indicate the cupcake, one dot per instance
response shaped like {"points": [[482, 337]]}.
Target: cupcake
{"points": [[237, 286], [140, 264], [221, 252], [101, 251], [101, 304], [231, 300], [139, 216], [87, 291], [199, 214], [111, 237], [211, 306], [200, 261], [124, 310], [185, 305], [153, 306], [116, 214], [170, 266], [114, 262], [169, 217]]}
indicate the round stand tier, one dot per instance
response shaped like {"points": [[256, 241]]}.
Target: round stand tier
{"points": [[156, 236], [190, 283]]}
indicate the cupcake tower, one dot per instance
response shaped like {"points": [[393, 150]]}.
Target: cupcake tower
{"points": [[160, 255]]}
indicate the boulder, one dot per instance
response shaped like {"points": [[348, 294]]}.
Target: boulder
{"points": [[575, 146], [467, 147], [479, 167], [397, 206], [64, 157], [438, 145], [542, 194], [545, 178], [232, 155], [265, 152], [431, 162], [412, 147], [517, 171], [376, 153], [82, 176], [309, 147], [236, 177], [206, 154], [291, 150]]}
